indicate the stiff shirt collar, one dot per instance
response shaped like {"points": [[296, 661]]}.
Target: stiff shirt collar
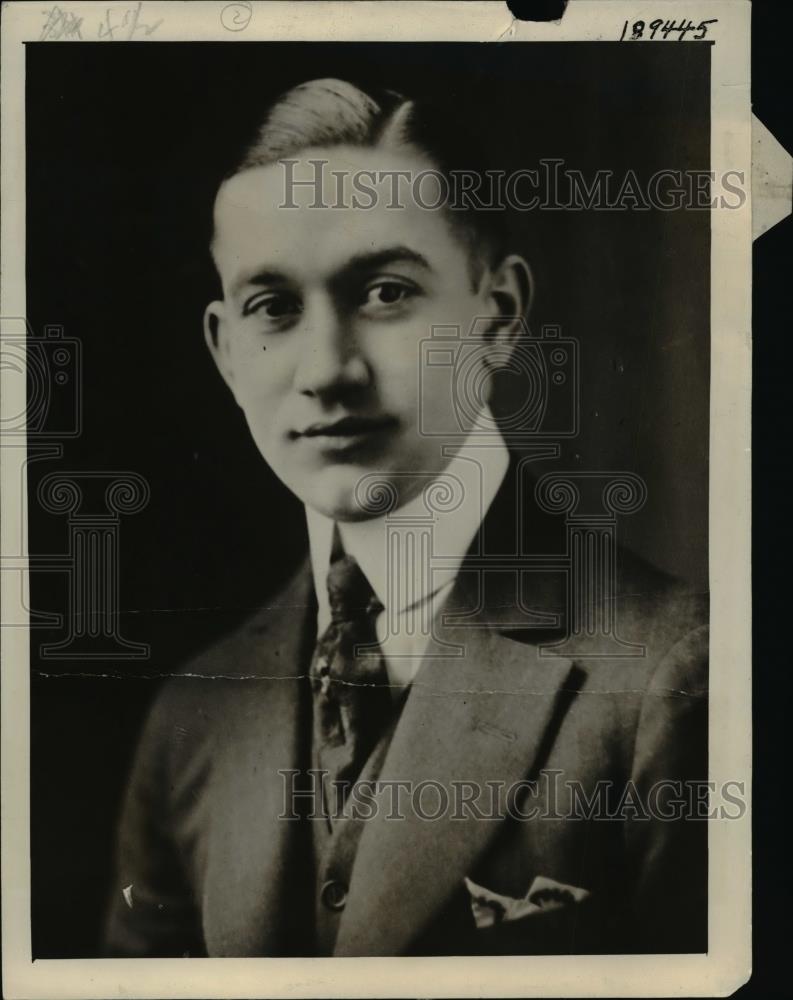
{"points": [[464, 491]]}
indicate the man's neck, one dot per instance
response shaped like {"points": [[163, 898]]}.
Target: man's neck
{"points": [[411, 552]]}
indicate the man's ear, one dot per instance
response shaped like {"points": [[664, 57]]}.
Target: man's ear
{"points": [[510, 292], [216, 335]]}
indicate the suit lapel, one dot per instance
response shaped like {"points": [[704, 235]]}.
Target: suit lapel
{"points": [[482, 717], [485, 716]]}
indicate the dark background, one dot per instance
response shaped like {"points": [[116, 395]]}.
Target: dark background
{"points": [[772, 680], [124, 147]]}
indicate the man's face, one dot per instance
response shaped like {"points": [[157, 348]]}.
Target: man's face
{"points": [[319, 331]]}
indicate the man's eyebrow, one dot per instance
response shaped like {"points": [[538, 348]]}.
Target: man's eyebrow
{"points": [[375, 259], [368, 261], [260, 278]]}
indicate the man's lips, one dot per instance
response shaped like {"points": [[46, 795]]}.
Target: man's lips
{"points": [[347, 427]]}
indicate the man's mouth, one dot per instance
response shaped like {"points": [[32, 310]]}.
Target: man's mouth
{"points": [[347, 428]]}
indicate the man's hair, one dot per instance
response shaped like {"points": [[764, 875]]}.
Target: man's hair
{"points": [[331, 112]]}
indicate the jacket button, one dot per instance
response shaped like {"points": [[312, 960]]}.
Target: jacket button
{"points": [[334, 895]]}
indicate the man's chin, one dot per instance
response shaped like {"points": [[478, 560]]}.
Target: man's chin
{"points": [[347, 497], [346, 508]]}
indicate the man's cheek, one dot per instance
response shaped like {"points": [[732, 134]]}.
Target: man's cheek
{"points": [[261, 412], [399, 370]]}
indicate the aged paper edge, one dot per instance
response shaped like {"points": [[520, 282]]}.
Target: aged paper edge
{"points": [[727, 964]]}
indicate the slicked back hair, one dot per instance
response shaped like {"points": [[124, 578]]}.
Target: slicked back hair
{"points": [[330, 112]]}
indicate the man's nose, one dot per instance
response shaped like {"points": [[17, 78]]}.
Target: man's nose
{"points": [[330, 359]]}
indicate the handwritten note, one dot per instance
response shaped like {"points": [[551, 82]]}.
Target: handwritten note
{"points": [[61, 24], [119, 22]]}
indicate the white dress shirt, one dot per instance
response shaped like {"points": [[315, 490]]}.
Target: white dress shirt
{"points": [[411, 555]]}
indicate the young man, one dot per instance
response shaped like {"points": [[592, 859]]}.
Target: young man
{"points": [[382, 761]]}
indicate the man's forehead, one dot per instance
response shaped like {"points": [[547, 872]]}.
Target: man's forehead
{"points": [[296, 179], [328, 226]]}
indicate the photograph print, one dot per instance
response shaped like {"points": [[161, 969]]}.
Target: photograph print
{"points": [[368, 498]]}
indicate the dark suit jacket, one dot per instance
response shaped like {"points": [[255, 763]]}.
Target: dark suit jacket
{"points": [[214, 870]]}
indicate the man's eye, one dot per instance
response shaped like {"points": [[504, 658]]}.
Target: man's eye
{"points": [[386, 293], [274, 305]]}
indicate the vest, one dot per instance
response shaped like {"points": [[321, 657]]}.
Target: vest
{"points": [[335, 845]]}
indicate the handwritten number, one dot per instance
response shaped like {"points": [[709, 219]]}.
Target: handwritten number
{"points": [[703, 28], [666, 28]]}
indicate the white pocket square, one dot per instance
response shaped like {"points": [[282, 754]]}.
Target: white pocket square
{"points": [[544, 894]]}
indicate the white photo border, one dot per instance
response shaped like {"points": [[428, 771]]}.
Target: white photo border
{"points": [[727, 964]]}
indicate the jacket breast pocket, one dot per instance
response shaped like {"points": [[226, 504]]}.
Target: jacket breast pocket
{"points": [[552, 918], [561, 931]]}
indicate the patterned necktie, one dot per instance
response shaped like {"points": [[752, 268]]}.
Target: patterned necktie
{"points": [[352, 702]]}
